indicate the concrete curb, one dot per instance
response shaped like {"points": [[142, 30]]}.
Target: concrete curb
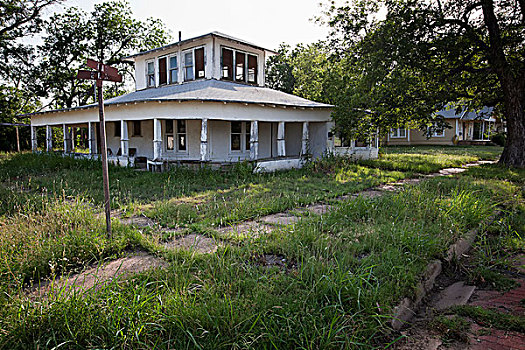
{"points": [[407, 308]]}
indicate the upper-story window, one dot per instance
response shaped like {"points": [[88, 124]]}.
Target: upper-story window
{"points": [[163, 71], [150, 73], [245, 66], [194, 64], [173, 70]]}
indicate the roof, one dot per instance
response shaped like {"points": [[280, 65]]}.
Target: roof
{"points": [[182, 42], [210, 90], [452, 113]]}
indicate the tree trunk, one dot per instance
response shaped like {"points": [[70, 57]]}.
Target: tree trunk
{"points": [[514, 151]]}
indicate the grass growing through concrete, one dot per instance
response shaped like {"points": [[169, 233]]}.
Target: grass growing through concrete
{"points": [[345, 272]]}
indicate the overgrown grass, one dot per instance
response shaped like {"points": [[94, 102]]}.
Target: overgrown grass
{"points": [[428, 159]]}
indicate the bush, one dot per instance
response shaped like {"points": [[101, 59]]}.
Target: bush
{"points": [[499, 139]]}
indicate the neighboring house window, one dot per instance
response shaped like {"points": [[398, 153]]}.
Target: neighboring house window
{"points": [[436, 131], [170, 144], [398, 133], [227, 64], [194, 64], [163, 72], [150, 73], [173, 70], [137, 128], [182, 144], [116, 125], [240, 136]]}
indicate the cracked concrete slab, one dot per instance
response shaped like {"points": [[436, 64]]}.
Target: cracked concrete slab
{"points": [[456, 294], [193, 242], [279, 219], [248, 228]]}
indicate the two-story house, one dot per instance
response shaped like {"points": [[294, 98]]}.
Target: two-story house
{"points": [[199, 100]]}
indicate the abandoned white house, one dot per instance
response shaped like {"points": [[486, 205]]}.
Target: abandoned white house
{"points": [[199, 100]]}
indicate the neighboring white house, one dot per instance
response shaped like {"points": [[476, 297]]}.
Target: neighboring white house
{"points": [[200, 100]]}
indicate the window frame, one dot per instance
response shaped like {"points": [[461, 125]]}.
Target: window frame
{"points": [[434, 131], [177, 134], [397, 134], [184, 66], [167, 134], [176, 69], [134, 129], [244, 137], [165, 57], [233, 77], [153, 75]]}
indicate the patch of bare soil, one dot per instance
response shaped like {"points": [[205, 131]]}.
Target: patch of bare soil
{"points": [[275, 260], [193, 242], [96, 277], [248, 228]]}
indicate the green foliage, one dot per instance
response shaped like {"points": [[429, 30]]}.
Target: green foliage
{"points": [[498, 139], [492, 319], [454, 328], [107, 34]]}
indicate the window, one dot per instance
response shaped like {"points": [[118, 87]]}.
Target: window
{"points": [[116, 125], [252, 69], [150, 73], [199, 62], [188, 66], [163, 74], [227, 64], [173, 70], [170, 145], [181, 136], [239, 66], [137, 130], [398, 133], [240, 136], [436, 131]]}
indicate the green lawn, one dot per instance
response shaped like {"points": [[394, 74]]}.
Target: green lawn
{"points": [[345, 270]]}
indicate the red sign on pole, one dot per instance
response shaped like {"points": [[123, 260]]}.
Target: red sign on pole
{"points": [[110, 71]]}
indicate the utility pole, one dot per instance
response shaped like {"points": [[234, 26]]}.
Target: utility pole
{"points": [[102, 73]]}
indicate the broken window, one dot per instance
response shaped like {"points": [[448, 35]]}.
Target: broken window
{"points": [[173, 70], [170, 145], [181, 135], [137, 128], [150, 73], [252, 69], [227, 64], [199, 62], [188, 66], [236, 132], [239, 66], [163, 74]]}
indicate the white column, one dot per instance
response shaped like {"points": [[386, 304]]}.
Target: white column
{"points": [[408, 134], [67, 138], [92, 142], [305, 142], [483, 130], [124, 138], [49, 138], [34, 141], [254, 140], [281, 143], [157, 139], [204, 140]]}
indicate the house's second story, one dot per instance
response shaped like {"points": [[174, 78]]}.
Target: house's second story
{"points": [[211, 56]]}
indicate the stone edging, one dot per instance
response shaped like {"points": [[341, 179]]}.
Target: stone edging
{"points": [[406, 309]]}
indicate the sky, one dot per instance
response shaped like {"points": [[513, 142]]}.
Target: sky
{"points": [[267, 23]]}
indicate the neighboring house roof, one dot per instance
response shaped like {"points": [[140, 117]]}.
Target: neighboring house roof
{"points": [[210, 90], [451, 113], [215, 34]]}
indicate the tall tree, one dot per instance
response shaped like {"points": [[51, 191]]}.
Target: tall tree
{"points": [[417, 56], [107, 34]]}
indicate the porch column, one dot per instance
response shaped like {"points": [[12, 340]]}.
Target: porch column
{"points": [[254, 140], [483, 130], [92, 142], [281, 143], [49, 138], [305, 142], [67, 138], [124, 138], [34, 141], [157, 139], [204, 140]]}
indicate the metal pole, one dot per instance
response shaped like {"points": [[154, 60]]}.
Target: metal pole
{"points": [[104, 153]]}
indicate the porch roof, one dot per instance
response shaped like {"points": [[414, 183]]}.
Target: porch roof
{"points": [[209, 90], [484, 114]]}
